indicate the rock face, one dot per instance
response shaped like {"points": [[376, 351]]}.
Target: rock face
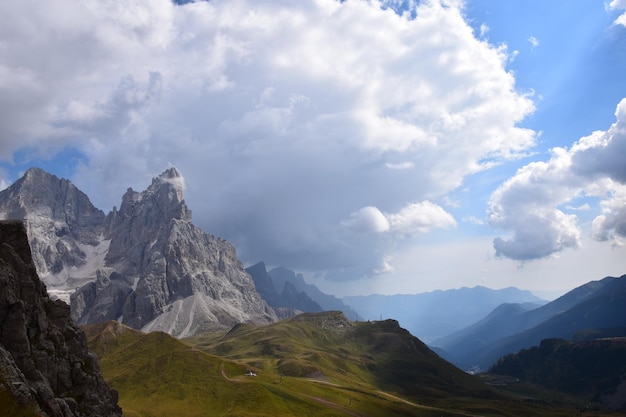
{"points": [[44, 361], [65, 229], [290, 300], [145, 265]]}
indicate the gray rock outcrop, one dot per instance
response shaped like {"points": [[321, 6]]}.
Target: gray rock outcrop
{"points": [[45, 365]]}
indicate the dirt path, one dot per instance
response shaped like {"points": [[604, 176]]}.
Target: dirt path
{"points": [[226, 376]]}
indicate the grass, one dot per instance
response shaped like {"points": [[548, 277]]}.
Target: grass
{"points": [[304, 367]]}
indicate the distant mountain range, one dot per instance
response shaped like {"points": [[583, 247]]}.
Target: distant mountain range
{"points": [[596, 307], [433, 315]]}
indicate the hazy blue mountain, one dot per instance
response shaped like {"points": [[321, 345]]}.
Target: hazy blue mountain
{"points": [[590, 307], [289, 296], [433, 315], [281, 276]]}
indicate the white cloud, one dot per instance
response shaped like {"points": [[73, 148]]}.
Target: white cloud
{"points": [[619, 5], [528, 203], [473, 220], [284, 116], [419, 218], [483, 30], [368, 219], [412, 220], [533, 41]]}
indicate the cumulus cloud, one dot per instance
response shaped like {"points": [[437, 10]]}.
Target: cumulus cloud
{"points": [[619, 5], [412, 220], [285, 117], [531, 204]]}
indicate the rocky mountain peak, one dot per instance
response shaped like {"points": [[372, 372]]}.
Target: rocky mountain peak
{"points": [[145, 264], [39, 193], [162, 200], [61, 223]]}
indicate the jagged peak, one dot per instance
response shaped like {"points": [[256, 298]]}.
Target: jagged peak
{"points": [[170, 183], [35, 171], [163, 198], [35, 174], [171, 176]]}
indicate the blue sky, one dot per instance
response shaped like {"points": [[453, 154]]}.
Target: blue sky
{"points": [[392, 147]]}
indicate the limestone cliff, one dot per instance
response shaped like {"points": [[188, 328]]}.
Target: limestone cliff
{"points": [[45, 365], [145, 264]]}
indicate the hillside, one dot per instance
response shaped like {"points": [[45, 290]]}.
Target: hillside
{"points": [[594, 369], [158, 375], [363, 357], [318, 364], [592, 307]]}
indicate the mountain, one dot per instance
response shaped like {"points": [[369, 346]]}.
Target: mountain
{"points": [[46, 368], [289, 298], [66, 232], [145, 264], [593, 306], [592, 369], [282, 277], [435, 314]]}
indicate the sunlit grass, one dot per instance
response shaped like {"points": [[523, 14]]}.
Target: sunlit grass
{"points": [[302, 370]]}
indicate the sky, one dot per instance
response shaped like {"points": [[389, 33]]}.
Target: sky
{"points": [[374, 146]]}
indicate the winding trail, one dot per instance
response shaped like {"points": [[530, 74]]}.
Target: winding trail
{"points": [[226, 376]]}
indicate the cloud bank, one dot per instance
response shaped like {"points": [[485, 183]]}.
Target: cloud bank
{"points": [[313, 134], [533, 204]]}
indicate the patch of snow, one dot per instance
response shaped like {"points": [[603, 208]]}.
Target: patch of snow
{"points": [[135, 282], [66, 282], [95, 259]]}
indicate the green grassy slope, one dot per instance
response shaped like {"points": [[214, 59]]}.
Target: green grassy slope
{"points": [[311, 365], [157, 375]]}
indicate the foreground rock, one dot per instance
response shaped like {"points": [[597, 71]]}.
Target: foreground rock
{"points": [[45, 365]]}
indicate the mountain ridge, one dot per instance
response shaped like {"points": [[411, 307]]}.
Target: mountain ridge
{"points": [[482, 343]]}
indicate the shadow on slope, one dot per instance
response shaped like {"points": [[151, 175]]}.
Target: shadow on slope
{"points": [[363, 357]]}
